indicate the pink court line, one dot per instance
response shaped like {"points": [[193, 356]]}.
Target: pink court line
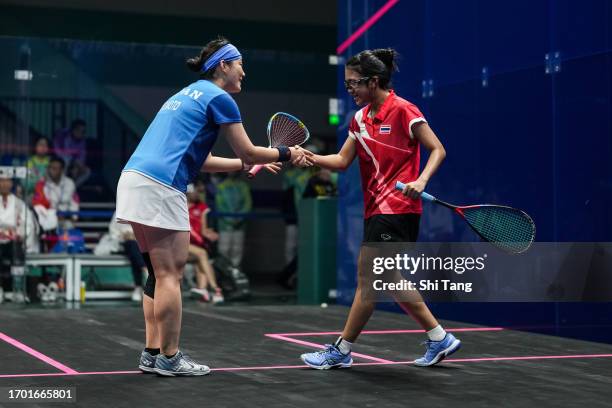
{"points": [[228, 369], [458, 329], [309, 344], [69, 374], [287, 367], [37, 354], [469, 360], [366, 26]]}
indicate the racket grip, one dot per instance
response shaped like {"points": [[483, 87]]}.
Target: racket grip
{"points": [[254, 170], [427, 197]]}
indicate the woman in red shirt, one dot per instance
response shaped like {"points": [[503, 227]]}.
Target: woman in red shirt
{"points": [[386, 135], [199, 236]]}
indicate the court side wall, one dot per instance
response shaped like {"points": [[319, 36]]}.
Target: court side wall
{"points": [[514, 133]]}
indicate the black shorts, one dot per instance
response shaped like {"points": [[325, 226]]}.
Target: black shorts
{"points": [[391, 228]]}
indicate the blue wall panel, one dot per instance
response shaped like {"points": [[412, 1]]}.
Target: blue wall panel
{"points": [[512, 34], [583, 144], [515, 138], [581, 28], [450, 41]]}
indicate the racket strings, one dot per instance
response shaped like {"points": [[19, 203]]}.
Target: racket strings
{"points": [[287, 131], [508, 228], [283, 129], [283, 125]]}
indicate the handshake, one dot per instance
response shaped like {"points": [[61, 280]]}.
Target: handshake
{"points": [[300, 157]]}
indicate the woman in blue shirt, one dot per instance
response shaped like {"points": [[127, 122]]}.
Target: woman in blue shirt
{"points": [[151, 190]]}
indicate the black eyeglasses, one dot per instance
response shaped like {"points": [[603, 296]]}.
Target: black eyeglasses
{"points": [[352, 83]]}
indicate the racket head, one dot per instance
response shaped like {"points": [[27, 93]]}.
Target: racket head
{"points": [[286, 130], [509, 229]]}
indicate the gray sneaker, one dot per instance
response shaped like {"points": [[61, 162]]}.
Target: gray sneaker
{"points": [[179, 365], [147, 362]]}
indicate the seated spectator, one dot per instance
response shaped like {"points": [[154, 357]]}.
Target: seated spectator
{"points": [[198, 247], [320, 185], [71, 146], [13, 225], [123, 234], [57, 192], [37, 164], [32, 232], [234, 197], [206, 190]]}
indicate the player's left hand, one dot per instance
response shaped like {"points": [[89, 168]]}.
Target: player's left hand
{"points": [[414, 188]]}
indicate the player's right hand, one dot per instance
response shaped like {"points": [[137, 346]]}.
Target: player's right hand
{"points": [[301, 157]]}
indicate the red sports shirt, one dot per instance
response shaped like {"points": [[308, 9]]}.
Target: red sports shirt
{"points": [[196, 210], [387, 152]]}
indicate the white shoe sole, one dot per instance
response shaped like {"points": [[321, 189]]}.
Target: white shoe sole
{"points": [[165, 373], [146, 370], [442, 354], [327, 366]]}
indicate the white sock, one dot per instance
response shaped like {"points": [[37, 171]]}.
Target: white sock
{"points": [[343, 345], [436, 334]]}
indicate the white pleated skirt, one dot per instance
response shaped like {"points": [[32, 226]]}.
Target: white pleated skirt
{"points": [[146, 201]]}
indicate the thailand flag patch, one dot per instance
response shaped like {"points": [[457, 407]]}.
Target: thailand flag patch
{"points": [[385, 129]]}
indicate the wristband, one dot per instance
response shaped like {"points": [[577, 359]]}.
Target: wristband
{"points": [[284, 153]]}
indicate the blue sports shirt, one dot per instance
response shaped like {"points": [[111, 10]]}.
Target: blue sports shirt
{"points": [[174, 147]]}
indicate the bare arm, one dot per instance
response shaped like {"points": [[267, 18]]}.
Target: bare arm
{"points": [[214, 164], [206, 232], [339, 161], [204, 222], [249, 153], [423, 133]]}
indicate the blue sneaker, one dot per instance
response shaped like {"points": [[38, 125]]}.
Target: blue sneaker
{"points": [[147, 362], [179, 365], [329, 358], [438, 350]]}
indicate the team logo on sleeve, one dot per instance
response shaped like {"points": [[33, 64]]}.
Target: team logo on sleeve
{"points": [[385, 129]]}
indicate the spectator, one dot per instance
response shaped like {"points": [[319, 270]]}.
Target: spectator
{"points": [[37, 164], [320, 185], [32, 232], [57, 192], [233, 196], [199, 247], [123, 234], [206, 189], [71, 146], [12, 233], [32, 239]]}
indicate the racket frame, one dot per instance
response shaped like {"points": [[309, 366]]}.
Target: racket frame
{"points": [[460, 210]]}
